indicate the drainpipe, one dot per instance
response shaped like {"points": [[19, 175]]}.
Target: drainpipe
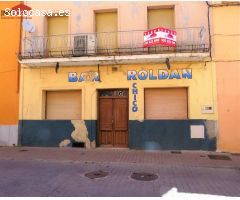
{"points": [[19, 51], [18, 80], [209, 30]]}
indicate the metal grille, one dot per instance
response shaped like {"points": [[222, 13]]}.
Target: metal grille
{"points": [[191, 39], [80, 45]]}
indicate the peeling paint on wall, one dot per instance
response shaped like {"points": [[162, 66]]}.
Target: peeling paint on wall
{"points": [[93, 144], [64, 143], [55, 133], [80, 134], [212, 128]]}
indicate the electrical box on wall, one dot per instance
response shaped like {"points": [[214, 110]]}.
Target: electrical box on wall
{"points": [[197, 131], [207, 109]]}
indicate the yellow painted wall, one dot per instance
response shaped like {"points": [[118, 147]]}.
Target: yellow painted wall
{"points": [[131, 15], [226, 33], [9, 46], [226, 55], [35, 81]]}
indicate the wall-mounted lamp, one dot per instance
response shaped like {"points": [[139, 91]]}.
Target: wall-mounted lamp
{"points": [[167, 63], [57, 67], [99, 73]]}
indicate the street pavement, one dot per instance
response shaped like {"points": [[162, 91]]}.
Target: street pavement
{"points": [[26, 171]]}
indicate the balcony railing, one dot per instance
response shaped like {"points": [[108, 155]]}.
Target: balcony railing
{"points": [[191, 39]]}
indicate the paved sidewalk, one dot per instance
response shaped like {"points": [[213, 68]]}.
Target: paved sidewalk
{"points": [[61, 172], [172, 158]]}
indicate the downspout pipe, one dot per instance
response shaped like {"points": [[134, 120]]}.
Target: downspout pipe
{"points": [[209, 30], [19, 51]]}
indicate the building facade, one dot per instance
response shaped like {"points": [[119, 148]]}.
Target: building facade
{"points": [[9, 76], [225, 31], [87, 80]]}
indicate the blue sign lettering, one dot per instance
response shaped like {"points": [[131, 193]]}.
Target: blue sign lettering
{"points": [[134, 92]]}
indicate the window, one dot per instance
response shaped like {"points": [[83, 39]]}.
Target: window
{"points": [[163, 17], [166, 103], [106, 28], [57, 35], [57, 25], [64, 104]]}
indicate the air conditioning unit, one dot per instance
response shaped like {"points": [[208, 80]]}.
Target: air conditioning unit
{"points": [[84, 45]]}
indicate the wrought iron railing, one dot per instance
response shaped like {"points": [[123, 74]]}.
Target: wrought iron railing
{"points": [[191, 39]]}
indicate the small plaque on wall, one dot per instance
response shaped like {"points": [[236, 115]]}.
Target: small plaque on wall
{"points": [[197, 131], [207, 109]]}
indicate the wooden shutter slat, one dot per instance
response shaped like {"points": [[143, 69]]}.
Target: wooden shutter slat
{"points": [[64, 105], [166, 103], [163, 17]]}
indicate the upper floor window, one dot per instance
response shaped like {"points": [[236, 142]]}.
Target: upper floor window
{"points": [[57, 25], [106, 28], [160, 17], [57, 38]]}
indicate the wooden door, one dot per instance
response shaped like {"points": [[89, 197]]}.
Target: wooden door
{"points": [[113, 118]]}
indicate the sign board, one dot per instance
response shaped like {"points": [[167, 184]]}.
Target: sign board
{"points": [[83, 77], [160, 36], [134, 102], [159, 74]]}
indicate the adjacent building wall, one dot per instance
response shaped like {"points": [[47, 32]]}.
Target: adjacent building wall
{"points": [[9, 47], [225, 29]]}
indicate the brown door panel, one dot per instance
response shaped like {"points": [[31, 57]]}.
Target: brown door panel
{"points": [[105, 114], [121, 138], [106, 138], [121, 114]]}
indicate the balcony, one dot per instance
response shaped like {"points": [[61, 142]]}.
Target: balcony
{"points": [[95, 46]]}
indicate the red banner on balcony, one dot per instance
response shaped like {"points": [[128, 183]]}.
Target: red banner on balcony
{"points": [[160, 37]]}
